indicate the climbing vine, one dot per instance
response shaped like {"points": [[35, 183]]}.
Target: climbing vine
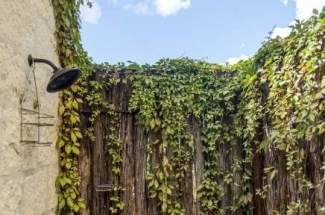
{"points": [[284, 113], [271, 105], [165, 97], [71, 54], [100, 108]]}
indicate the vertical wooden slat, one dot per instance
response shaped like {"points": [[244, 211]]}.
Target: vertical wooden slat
{"points": [[238, 155], [140, 170], [128, 171], [225, 164], [321, 188], [187, 192], [257, 174], [98, 198], [271, 204], [281, 178], [85, 168], [153, 208], [198, 162]]}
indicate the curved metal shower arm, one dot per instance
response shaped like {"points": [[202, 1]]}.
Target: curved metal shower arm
{"points": [[32, 60]]}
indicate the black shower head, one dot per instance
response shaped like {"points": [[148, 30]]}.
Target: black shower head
{"points": [[62, 78]]}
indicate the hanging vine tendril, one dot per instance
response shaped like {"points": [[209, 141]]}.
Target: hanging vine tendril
{"points": [[273, 102]]}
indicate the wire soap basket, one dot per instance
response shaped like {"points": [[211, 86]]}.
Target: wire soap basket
{"points": [[32, 120]]}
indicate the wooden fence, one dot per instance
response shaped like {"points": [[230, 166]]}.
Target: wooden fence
{"points": [[98, 180]]}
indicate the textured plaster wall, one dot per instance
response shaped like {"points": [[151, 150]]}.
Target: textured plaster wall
{"points": [[27, 173]]}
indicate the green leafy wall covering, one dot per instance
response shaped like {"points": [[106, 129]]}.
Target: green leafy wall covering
{"points": [[261, 122], [71, 54], [283, 108]]}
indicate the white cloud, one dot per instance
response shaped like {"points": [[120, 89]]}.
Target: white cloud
{"points": [[91, 14], [281, 32], [285, 2], [158, 7], [170, 7], [304, 8], [234, 60], [142, 8]]}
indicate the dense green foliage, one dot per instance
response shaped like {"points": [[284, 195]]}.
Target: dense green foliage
{"points": [[286, 92], [71, 54], [278, 94], [165, 102], [283, 91], [165, 97]]}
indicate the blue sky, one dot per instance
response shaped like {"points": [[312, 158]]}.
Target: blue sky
{"points": [[214, 30]]}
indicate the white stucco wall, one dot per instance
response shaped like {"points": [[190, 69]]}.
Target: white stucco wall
{"points": [[27, 173]]}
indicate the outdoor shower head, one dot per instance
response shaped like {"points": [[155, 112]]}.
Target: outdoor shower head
{"points": [[62, 78]]}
